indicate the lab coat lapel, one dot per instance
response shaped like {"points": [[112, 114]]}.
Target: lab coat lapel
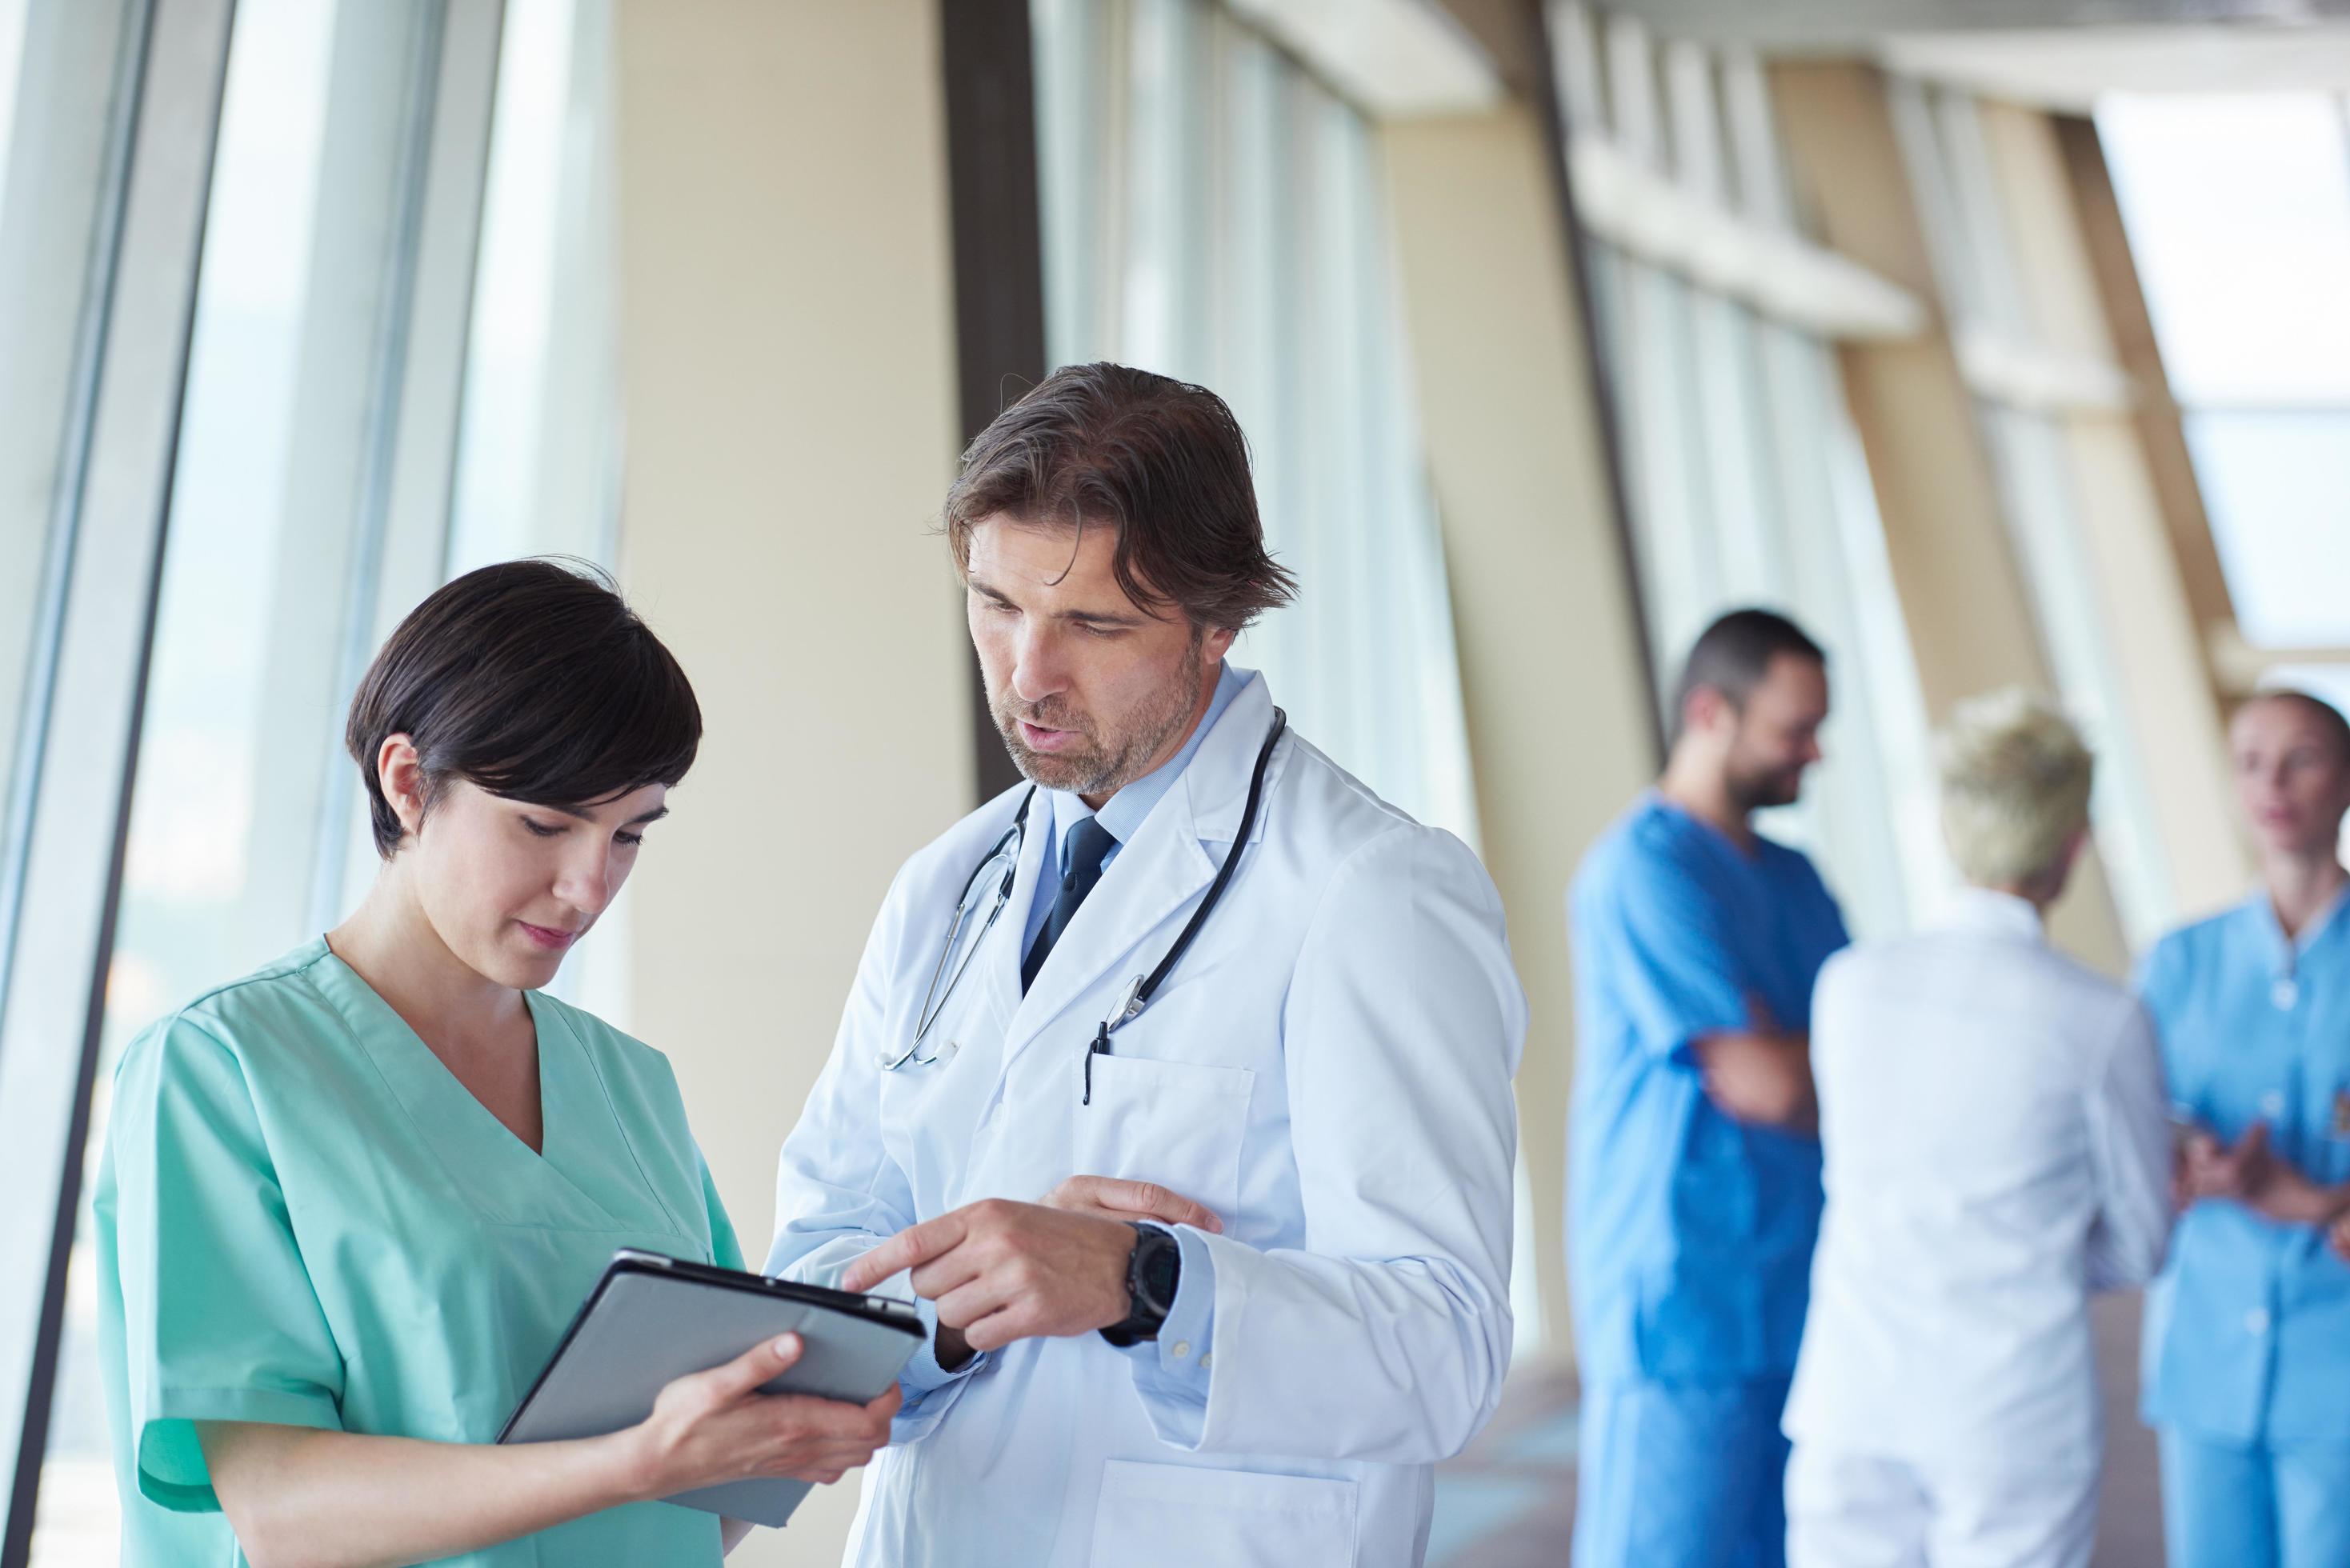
{"points": [[1160, 874]]}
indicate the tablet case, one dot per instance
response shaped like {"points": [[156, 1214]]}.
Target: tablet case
{"points": [[653, 1319]]}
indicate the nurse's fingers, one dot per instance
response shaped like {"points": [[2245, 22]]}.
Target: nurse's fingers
{"points": [[910, 1248]]}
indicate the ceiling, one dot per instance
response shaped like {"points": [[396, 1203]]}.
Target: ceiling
{"points": [[1859, 25]]}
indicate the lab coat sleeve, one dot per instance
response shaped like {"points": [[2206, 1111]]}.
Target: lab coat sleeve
{"points": [[220, 1321], [839, 1193], [2129, 1146], [1385, 1334]]}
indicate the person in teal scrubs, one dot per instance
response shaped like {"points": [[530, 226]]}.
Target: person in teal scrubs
{"points": [[348, 1204], [2247, 1349]]}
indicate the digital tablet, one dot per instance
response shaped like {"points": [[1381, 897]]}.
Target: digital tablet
{"points": [[653, 1319]]}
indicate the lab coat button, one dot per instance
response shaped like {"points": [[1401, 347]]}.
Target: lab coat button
{"points": [[1183, 1349], [2285, 994], [2273, 1105], [2256, 1321], [1206, 1361]]}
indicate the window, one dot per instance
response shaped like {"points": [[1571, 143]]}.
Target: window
{"points": [[1212, 211], [399, 366], [1743, 478], [2237, 210]]}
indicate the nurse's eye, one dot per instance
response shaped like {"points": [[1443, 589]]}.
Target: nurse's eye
{"points": [[541, 829]]}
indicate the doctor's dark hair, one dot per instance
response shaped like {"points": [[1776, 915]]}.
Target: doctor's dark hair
{"points": [[530, 680], [1733, 655], [1161, 461]]}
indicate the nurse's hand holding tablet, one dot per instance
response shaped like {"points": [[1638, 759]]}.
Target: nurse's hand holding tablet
{"points": [[349, 1203]]}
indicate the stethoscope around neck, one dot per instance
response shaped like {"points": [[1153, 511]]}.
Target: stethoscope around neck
{"points": [[1000, 868]]}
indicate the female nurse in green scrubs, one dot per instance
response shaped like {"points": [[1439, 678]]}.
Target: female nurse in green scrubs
{"points": [[348, 1204]]}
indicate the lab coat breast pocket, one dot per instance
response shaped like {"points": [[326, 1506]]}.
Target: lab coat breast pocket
{"points": [[1175, 1516], [1179, 1124]]}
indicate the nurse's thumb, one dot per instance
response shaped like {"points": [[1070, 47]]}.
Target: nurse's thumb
{"points": [[760, 1364]]}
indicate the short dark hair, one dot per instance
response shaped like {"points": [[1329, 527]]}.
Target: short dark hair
{"points": [[531, 680], [2329, 718], [1162, 461], [1733, 654]]}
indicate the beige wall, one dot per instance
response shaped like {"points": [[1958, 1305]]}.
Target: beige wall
{"points": [[788, 353], [1559, 730]]}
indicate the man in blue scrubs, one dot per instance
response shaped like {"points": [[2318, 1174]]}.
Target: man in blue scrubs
{"points": [[1694, 1185]]}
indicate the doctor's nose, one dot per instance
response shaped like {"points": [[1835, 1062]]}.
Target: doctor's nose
{"points": [[1037, 672]]}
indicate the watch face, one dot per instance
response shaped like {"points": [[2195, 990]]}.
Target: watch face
{"points": [[1161, 1266]]}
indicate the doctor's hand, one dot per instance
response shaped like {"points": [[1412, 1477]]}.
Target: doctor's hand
{"points": [[1001, 1271], [715, 1426], [2209, 1168], [1114, 1198]]}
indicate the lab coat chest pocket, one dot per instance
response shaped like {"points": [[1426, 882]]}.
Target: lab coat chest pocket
{"points": [[1177, 1517], [1179, 1124]]}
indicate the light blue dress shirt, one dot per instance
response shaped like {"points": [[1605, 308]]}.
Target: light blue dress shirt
{"points": [[1691, 1235], [2248, 1328]]}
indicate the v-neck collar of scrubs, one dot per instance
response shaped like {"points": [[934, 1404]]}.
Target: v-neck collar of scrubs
{"points": [[561, 1182], [2285, 952]]}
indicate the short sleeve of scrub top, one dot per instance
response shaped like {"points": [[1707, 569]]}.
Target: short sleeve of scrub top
{"points": [[303, 1218], [1651, 920], [215, 1299]]}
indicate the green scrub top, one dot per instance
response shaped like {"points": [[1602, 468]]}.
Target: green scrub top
{"points": [[304, 1218]]}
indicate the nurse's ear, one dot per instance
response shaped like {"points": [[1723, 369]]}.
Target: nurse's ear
{"points": [[399, 772]]}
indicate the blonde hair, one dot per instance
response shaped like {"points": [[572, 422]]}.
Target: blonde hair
{"points": [[2015, 787]]}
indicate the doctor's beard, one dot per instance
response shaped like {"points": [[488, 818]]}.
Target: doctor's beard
{"points": [[1112, 757]]}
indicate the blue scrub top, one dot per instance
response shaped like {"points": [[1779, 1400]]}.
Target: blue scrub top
{"points": [[2248, 1328], [1689, 1235]]}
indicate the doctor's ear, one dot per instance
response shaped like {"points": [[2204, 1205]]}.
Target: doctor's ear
{"points": [[400, 773]]}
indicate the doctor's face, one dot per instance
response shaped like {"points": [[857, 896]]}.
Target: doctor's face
{"points": [[1089, 690], [508, 886], [2291, 775]]}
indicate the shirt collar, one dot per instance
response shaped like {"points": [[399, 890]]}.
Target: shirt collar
{"points": [[2286, 952], [1992, 912], [1123, 814]]}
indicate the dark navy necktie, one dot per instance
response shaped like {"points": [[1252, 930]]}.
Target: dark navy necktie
{"points": [[1089, 842]]}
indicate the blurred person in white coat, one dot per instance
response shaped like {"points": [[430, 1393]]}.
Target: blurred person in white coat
{"points": [[1218, 1267], [1998, 1146]]}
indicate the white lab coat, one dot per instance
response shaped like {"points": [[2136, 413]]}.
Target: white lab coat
{"points": [[1997, 1148], [1327, 1070]]}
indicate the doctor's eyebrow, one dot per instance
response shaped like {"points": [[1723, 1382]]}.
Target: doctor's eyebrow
{"points": [[1088, 617]]}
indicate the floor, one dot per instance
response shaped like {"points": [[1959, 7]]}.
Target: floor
{"points": [[1509, 1502]]}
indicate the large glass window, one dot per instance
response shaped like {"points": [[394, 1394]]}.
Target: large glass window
{"points": [[1744, 477], [399, 368], [1988, 296], [1212, 211], [2238, 211]]}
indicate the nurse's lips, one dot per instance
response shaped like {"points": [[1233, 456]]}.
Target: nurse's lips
{"points": [[1037, 739], [547, 936]]}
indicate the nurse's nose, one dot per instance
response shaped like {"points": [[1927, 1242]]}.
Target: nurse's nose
{"points": [[585, 881]]}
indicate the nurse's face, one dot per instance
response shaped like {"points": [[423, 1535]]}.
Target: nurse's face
{"points": [[509, 886], [2291, 776], [1089, 690], [1777, 734]]}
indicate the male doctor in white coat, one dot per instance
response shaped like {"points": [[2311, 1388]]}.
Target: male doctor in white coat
{"points": [[1220, 1284]]}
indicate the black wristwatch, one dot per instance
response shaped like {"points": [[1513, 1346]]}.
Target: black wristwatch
{"points": [[1152, 1272]]}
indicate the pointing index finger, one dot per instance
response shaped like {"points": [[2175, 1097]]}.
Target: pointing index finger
{"points": [[910, 1248]]}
